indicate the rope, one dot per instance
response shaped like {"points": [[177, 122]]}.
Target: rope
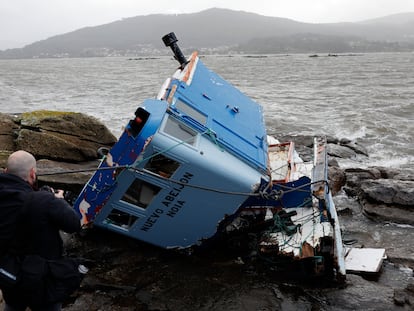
{"points": [[120, 166], [274, 194], [84, 170], [213, 137]]}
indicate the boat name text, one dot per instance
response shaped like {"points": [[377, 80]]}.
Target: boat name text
{"points": [[170, 202]]}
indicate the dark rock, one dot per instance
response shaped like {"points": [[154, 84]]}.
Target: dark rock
{"points": [[51, 146], [406, 174], [387, 172], [7, 142], [337, 179], [62, 175], [343, 148], [340, 151], [354, 176], [344, 141], [360, 294], [385, 194], [345, 211], [350, 191], [410, 288], [60, 136], [8, 124], [399, 297], [303, 140], [332, 140], [333, 162], [84, 127], [387, 213], [405, 296], [388, 200], [355, 147], [62, 142], [389, 191]]}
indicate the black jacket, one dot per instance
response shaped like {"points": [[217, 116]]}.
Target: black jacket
{"points": [[33, 228]]}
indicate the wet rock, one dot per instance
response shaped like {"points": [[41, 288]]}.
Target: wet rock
{"points": [[361, 294], [340, 151], [354, 146], [359, 174], [355, 176], [386, 194], [62, 136], [64, 148], [386, 199], [337, 179], [344, 148], [63, 175], [388, 191], [389, 173], [333, 162], [405, 296], [127, 274], [397, 174], [387, 213], [7, 136], [302, 140]]}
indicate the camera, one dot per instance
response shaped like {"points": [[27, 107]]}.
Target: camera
{"points": [[68, 196]]}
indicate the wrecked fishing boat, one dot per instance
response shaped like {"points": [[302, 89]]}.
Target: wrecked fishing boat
{"points": [[196, 162]]}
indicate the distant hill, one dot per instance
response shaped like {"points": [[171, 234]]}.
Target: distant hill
{"points": [[225, 31], [394, 19]]}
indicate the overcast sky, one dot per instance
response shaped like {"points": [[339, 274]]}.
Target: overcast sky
{"points": [[27, 21]]}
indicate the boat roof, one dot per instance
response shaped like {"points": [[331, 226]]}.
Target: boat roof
{"points": [[206, 101]]}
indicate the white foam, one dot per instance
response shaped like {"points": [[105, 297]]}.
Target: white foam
{"points": [[351, 134]]}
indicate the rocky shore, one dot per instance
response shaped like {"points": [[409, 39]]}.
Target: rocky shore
{"points": [[376, 208]]}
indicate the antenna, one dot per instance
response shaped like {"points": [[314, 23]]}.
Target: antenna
{"points": [[171, 41]]}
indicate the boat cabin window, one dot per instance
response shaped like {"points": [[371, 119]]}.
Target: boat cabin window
{"points": [[179, 130], [191, 112], [120, 219], [135, 125], [161, 165], [140, 193]]}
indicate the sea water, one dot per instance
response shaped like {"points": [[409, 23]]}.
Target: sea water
{"points": [[368, 98]]}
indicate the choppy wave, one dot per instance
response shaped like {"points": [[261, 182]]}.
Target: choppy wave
{"points": [[369, 98]]}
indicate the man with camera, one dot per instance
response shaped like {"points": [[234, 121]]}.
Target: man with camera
{"points": [[30, 224]]}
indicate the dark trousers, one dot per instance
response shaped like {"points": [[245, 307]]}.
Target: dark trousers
{"points": [[52, 307]]}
